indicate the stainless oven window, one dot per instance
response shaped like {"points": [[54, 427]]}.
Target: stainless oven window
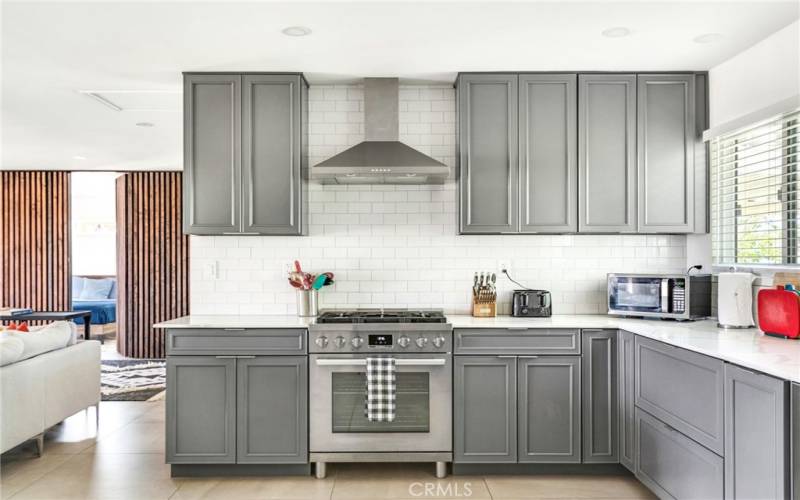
{"points": [[635, 294], [349, 392]]}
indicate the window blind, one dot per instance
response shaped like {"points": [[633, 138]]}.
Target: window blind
{"points": [[755, 193]]}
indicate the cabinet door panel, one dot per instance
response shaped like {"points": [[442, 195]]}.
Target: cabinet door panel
{"points": [[755, 435], [550, 409], [600, 442], [666, 153], [485, 416], [625, 393], [212, 161], [669, 383], [488, 153], [547, 152], [201, 410], [272, 410], [674, 466], [607, 153], [271, 162]]}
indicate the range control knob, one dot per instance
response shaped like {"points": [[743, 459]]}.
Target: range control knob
{"points": [[422, 342], [340, 341], [439, 341], [403, 341], [321, 341], [356, 342]]}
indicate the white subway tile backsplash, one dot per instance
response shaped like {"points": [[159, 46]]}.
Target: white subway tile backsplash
{"points": [[396, 246]]}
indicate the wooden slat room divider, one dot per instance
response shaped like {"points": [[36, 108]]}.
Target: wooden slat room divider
{"points": [[35, 240], [152, 260]]}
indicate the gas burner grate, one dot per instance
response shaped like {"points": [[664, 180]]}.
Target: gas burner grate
{"points": [[382, 316]]}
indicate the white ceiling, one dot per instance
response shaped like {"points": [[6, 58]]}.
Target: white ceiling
{"points": [[52, 51]]}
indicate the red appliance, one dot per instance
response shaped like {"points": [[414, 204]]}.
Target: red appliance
{"points": [[779, 312]]}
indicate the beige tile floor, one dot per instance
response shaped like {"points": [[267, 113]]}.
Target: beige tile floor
{"points": [[123, 458]]}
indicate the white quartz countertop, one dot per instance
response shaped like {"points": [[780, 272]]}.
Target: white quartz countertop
{"points": [[748, 348], [234, 321]]}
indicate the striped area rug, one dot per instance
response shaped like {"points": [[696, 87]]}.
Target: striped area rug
{"points": [[132, 379]]}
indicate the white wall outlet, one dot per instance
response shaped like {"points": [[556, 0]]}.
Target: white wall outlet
{"points": [[504, 265], [211, 270]]}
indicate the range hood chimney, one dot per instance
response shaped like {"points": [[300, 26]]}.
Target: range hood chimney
{"points": [[381, 158]]}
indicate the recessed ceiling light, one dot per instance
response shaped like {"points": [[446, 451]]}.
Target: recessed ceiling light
{"points": [[78, 157], [296, 31], [145, 124], [708, 38], [616, 32]]}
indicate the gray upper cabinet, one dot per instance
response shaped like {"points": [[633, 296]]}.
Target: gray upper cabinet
{"points": [[201, 410], [487, 128], [245, 154], [273, 188], [756, 443], [272, 410], [600, 442], [485, 409], [625, 404], [607, 153], [666, 109], [549, 409], [212, 153], [548, 169]]}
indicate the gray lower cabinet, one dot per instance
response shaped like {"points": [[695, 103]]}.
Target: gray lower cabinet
{"points": [[485, 409], [548, 169], [489, 170], [237, 409], [607, 153], [795, 430], [201, 410], [272, 410], [674, 466], [600, 410], [212, 153], [756, 444], [666, 116], [625, 395], [549, 409], [245, 154], [682, 389]]}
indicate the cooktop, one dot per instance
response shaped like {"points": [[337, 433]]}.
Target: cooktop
{"points": [[381, 316]]}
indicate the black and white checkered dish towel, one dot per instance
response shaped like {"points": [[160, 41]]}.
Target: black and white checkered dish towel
{"points": [[381, 389]]}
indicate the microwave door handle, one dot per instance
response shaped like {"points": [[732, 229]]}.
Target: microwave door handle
{"points": [[665, 295], [398, 362]]}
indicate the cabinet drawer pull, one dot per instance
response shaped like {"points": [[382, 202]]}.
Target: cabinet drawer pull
{"points": [[505, 357], [225, 357], [528, 357]]}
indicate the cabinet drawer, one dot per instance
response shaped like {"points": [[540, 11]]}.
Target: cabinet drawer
{"points": [[236, 341], [517, 341], [674, 466], [682, 389]]}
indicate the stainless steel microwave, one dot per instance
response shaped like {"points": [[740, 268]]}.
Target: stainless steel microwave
{"points": [[666, 296]]}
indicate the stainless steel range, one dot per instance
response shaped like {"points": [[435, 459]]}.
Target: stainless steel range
{"points": [[421, 342]]}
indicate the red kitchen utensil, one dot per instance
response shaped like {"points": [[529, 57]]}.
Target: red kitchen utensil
{"points": [[779, 312], [297, 266]]}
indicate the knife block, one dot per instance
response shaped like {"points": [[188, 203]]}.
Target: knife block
{"points": [[485, 308]]}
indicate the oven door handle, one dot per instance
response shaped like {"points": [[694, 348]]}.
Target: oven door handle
{"points": [[398, 362]]}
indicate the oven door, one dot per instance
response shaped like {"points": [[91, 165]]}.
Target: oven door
{"points": [[337, 401]]}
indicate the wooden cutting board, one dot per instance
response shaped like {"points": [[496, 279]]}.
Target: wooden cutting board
{"points": [[785, 278]]}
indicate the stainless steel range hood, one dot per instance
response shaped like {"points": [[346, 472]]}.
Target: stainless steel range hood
{"points": [[381, 158]]}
